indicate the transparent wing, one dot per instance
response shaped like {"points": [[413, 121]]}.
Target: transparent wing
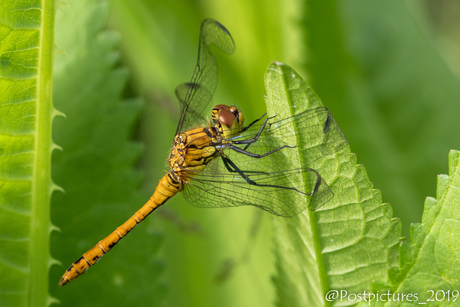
{"points": [[318, 132], [283, 193], [195, 96], [181, 94]]}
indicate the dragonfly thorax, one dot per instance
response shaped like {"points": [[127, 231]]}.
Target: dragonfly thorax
{"points": [[228, 121], [192, 151], [176, 157]]}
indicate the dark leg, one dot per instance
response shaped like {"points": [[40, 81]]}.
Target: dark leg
{"points": [[249, 126], [229, 162], [250, 154], [257, 136], [227, 166], [254, 139]]}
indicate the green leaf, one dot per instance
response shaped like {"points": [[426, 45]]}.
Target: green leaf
{"points": [[430, 261], [95, 167], [26, 113], [347, 243]]}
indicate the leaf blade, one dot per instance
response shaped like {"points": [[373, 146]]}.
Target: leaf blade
{"points": [[348, 240], [26, 57], [430, 259]]}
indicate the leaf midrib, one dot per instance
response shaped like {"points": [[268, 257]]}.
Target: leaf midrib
{"points": [[39, 257]]}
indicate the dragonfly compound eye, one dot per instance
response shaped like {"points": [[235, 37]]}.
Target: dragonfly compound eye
{"points": [[226, 118], [221, 107]]}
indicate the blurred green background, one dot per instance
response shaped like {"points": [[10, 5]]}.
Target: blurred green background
{"points": [[387, 70]]}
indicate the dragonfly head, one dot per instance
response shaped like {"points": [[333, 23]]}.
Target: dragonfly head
{"points": [[228, 120]]}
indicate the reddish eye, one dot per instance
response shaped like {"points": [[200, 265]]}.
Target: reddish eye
{"points": [[226, 118], [221, 107]]}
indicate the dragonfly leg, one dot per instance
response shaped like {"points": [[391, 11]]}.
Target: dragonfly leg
{"points": [[249, 126], [229, 163], [254, 139], [227, 166], [250, 154]]}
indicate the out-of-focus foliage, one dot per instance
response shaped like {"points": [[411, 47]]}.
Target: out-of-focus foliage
{"points": [[95, 167]]}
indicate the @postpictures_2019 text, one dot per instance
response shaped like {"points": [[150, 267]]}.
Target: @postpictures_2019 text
{"points": [[387, 296]]}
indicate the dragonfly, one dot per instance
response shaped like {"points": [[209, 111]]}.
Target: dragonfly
{"points": [[222, 163]]}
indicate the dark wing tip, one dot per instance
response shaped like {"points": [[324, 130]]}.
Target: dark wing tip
{"points": [[222, 27], [223, 40], [213, 21]]}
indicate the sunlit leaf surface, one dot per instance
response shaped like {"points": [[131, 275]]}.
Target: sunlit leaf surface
{"points": [[429, 260], [26, 113], [347, 243]]}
